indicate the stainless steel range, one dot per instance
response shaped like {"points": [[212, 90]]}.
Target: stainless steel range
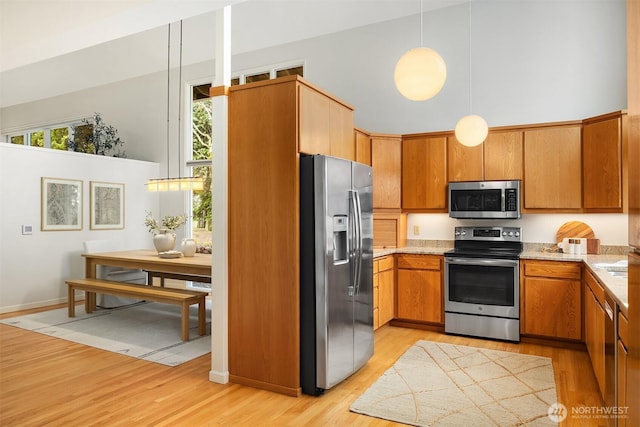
{"points": [[481, 283]]}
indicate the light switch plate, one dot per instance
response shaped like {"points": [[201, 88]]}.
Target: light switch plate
{"points": [[27, 229]]}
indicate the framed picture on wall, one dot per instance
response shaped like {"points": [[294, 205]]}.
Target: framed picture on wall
{"points": [[107, 205], [61, 204]]}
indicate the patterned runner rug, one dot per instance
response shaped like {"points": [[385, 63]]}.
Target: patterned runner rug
{"points": [[439, 384], [149, 331]]}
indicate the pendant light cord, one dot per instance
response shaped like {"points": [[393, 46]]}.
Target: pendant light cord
{"points": [[168, 88], [421, 26], [180, 108], [470, 84]]}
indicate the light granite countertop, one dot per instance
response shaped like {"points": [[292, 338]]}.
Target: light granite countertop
{"points": [[615, 286]]}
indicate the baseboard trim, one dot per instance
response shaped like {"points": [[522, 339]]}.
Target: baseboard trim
{"points": [[29, 306], [219, 377], [288, 391]]}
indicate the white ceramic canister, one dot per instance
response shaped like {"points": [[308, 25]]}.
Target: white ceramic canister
{"points": [[188, 247]]}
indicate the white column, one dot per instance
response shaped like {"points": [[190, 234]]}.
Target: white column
{"points": [[219, 287]]}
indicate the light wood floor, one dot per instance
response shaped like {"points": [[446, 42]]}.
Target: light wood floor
{"points": [[52, 382]]}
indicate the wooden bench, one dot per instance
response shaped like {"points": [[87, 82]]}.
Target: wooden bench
{"points": [[182, 297]]}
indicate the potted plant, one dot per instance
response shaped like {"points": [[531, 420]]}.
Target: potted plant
{"points": [[96, 137], [164, 236]]}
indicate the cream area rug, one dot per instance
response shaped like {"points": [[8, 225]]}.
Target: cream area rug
{"points": [[149, 331], [438, 384]]}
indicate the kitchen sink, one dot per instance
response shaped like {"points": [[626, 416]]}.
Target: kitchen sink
{"points": [[617, 269]]}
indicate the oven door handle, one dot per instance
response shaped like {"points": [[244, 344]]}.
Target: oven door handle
{"points": [[485, 262]]}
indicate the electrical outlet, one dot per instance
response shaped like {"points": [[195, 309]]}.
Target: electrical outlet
{"points": [[416, 230]]}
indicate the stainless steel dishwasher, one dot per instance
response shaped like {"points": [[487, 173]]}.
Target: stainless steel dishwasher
{"points": [[610, 348]]}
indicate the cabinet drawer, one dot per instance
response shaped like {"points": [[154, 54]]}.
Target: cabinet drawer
{"points": [[419, 262], [623, 329], [555, 269], [384, 264], [596, 288]]}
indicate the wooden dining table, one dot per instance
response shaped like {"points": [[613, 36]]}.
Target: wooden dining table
{"points": [[196, 268]]}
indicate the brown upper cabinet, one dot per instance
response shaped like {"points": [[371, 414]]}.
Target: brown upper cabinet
{"points": [[465, 163], [386, 157], [424, 173], [498, 158], [552, 168], [603, 145], [363, 146], [503, 156], [326, 125]]}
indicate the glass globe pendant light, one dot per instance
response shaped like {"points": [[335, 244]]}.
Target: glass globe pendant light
{"points": [[421, 72], [471, 130]]}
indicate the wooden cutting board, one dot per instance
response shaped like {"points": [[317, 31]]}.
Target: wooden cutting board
{"points": [[574, 229]]}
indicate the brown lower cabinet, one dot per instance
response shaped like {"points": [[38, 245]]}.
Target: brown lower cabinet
{"points": [[551, 299], [594, 328], [623, 354], [383, 291], [420, 288]]}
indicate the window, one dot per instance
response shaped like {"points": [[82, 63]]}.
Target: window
{"points": [[55, 137], [274, 72], [17, 139], [37, 139], [83, 137], [60, 138], [201, 139]]}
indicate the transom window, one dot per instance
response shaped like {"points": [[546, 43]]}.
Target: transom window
{"points": [[55, 137]]}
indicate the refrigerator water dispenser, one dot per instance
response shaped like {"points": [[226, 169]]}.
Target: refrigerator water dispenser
{"points": [[340, 239]]}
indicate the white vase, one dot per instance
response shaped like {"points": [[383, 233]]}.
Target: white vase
{"points": [[164, 240], [188, 247]]}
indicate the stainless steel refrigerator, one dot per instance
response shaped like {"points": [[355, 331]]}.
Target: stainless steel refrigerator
{"points": [[336, 270]]}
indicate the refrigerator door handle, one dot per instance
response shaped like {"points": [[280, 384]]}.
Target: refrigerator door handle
{"points": [[357, 214]]}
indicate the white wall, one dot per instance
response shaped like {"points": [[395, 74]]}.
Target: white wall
{"points": [[611, 229], [533, 61], [33, 268]]}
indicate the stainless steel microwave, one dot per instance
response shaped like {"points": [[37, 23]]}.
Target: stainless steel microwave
{"points": [[484, 199]]}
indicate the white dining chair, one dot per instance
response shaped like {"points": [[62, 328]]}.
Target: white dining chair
{"points": [[113, 273]]}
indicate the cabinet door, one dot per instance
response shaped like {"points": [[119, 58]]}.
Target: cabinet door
{"points": [[315, 122], [503, 156], [376, 296], [622, 380], [363, 147], [594, 336], [464, 163], [386, 157], [386, 296], [552, 168], [552, 308], [602, 165], [342, 144], [634, 181], [420, 295], [424, 174]]}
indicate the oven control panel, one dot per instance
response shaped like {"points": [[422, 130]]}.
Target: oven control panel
{"points": [[504, 234]]}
